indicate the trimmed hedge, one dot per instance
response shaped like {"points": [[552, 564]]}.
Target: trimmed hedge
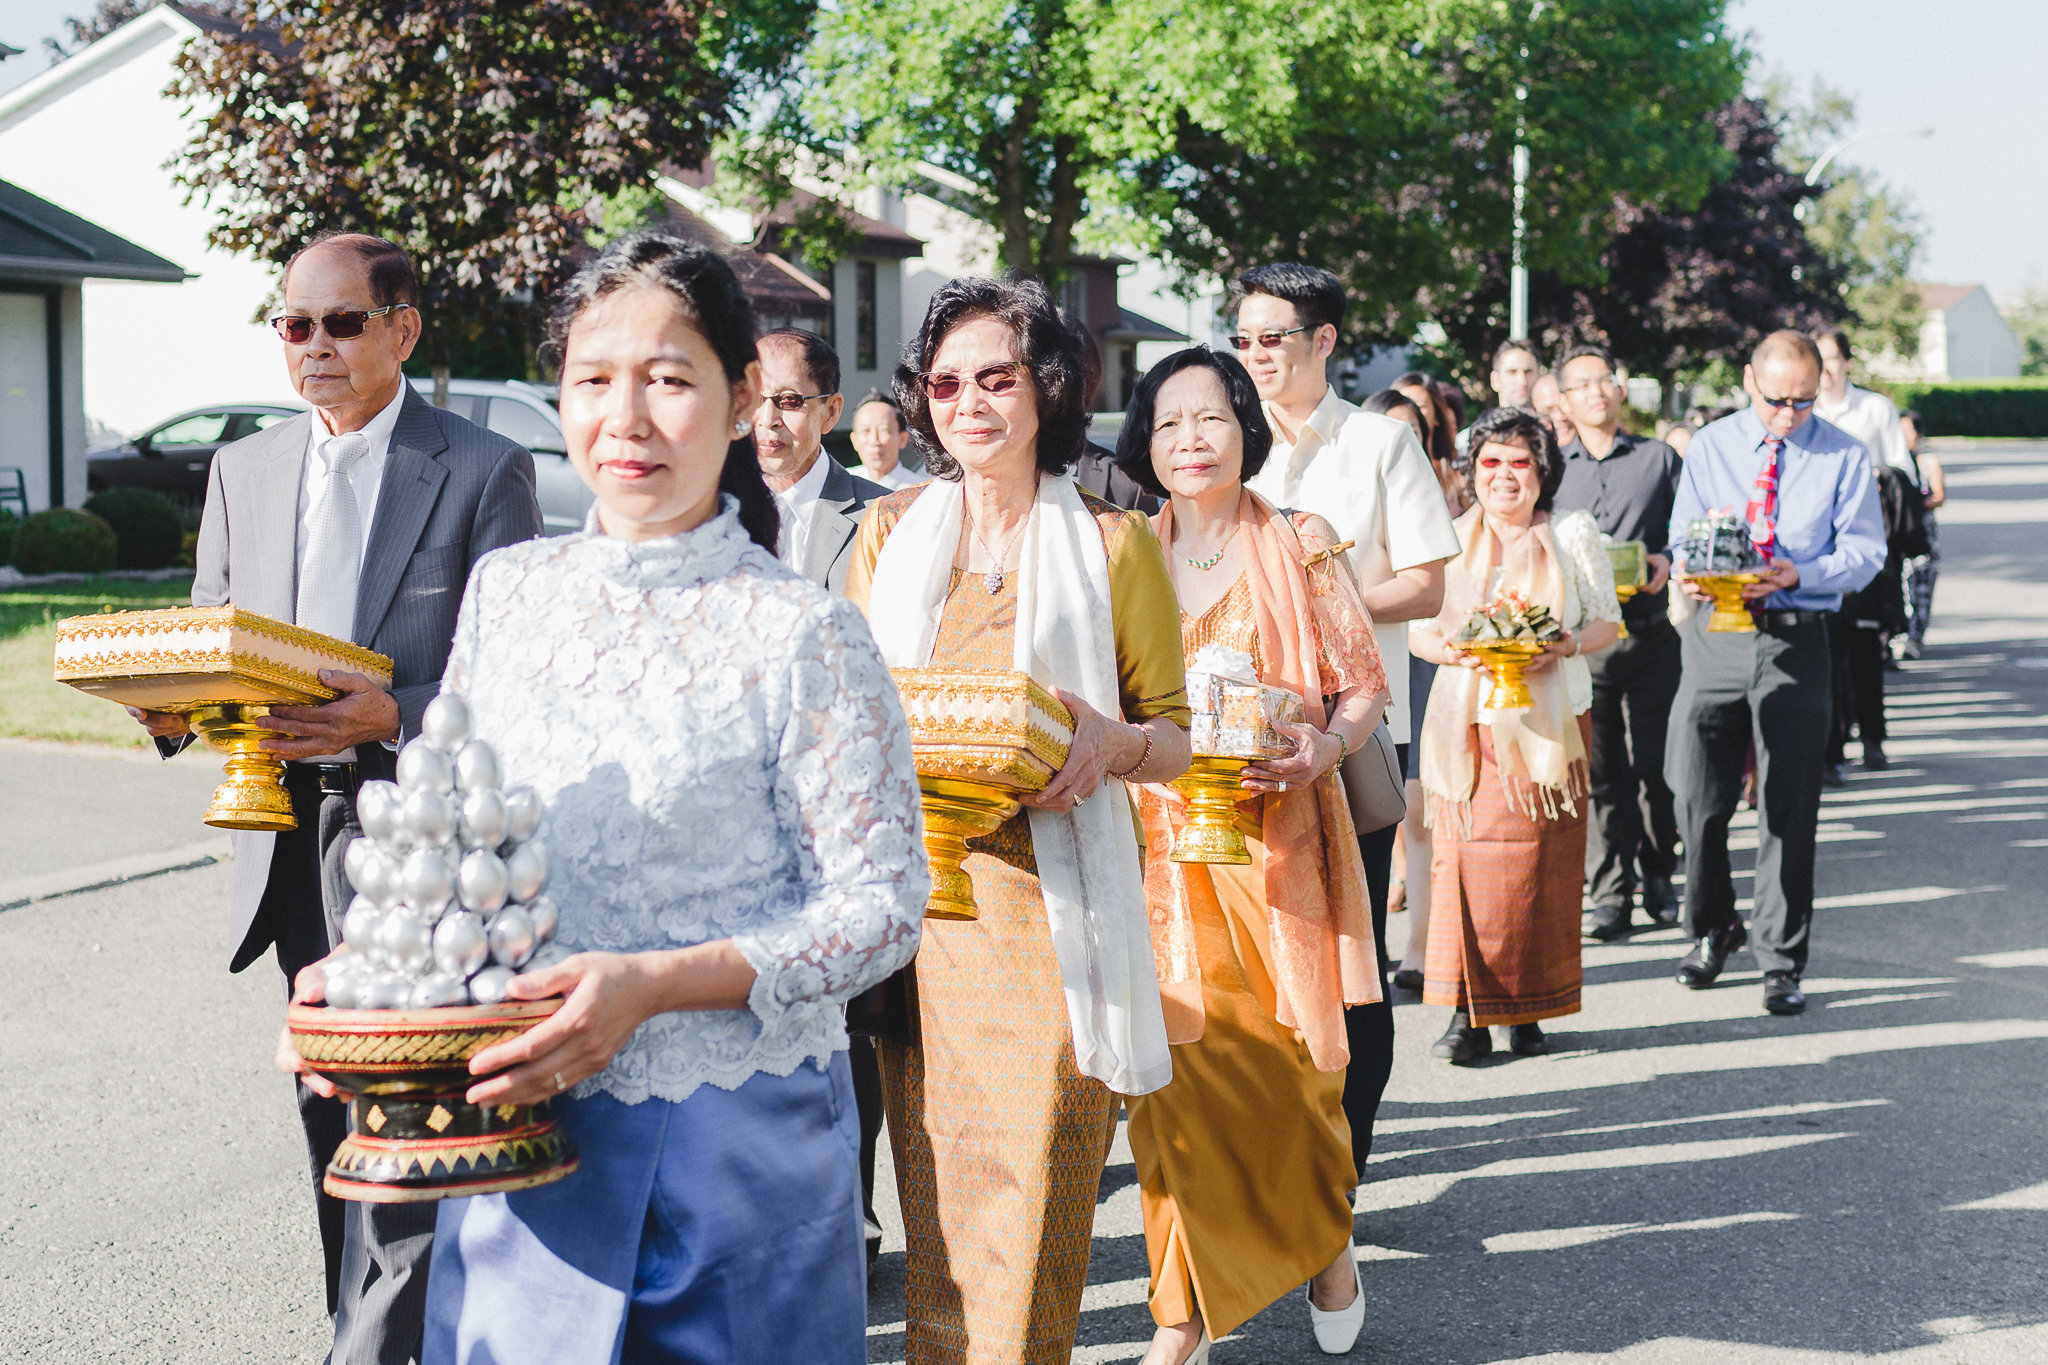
{"points": [[1977, 407], [147, 529], [63, 541]]}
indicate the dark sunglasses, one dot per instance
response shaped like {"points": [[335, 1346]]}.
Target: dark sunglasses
{"points": [[792, 401], [996, 379], [298, 330], [1796, 404], [1266, 339]]}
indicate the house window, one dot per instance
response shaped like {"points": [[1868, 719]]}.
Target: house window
{"points": [[865, 347]]}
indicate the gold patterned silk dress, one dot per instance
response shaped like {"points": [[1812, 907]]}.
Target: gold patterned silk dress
{"points": [[1244, 1159], [999, 1142]]}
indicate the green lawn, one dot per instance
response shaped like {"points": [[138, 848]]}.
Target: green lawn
{"points": [[34, 706]]}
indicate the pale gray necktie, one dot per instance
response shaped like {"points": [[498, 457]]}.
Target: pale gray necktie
{"points": [[334, 546]]}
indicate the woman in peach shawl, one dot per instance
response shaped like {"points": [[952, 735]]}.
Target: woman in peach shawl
{"points": [[1506, 788], [1244, 1159]]}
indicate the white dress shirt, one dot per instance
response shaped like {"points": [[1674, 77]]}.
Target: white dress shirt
{"points": [[366, 478], [796, 503], [1874, 421], [902, 476], [1367, 475]]}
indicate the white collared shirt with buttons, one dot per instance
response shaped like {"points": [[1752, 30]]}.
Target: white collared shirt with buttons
{"points": [[1367, 475], [795, 503], [1873, 420], [365, 477]]}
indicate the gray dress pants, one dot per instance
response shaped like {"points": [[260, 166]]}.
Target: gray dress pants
{"points": [[1772, 689]]}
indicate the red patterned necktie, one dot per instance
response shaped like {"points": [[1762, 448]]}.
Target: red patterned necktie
{"points": [[1762, 512]]}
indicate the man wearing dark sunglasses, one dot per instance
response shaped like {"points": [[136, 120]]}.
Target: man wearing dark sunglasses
{"points": [[360, 519], [1806, 490], [820, 500]]}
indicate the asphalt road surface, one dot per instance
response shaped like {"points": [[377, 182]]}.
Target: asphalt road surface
{"points": [[1685, 1179]]}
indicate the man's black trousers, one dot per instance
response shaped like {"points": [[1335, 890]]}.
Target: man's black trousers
{"points": [[1634, 830]]}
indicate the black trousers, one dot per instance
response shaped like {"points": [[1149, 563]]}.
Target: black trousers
{"points": [[375, 1254], [1772, 689], [1858, 654], [1369, 1029], [1634, 830], [867, 1101]]}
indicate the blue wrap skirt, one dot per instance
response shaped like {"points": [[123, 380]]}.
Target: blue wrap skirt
{"points": [[722, 1230]]}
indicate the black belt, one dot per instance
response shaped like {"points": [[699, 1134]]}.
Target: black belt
{"points": [[329, 779], [1784, 618]]}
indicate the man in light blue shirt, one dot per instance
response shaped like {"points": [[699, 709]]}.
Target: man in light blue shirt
{"points": [[1807, 490]]}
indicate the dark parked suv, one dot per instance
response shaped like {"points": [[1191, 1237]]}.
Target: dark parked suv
{"points": [[173, 458]]}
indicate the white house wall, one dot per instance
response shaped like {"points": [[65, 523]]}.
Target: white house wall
{"points": [[890, 321], [99, 149], [1980, 344]]}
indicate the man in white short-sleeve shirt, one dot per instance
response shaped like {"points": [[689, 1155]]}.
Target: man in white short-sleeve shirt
{"points": [[1868, 416], [1367, 475]]}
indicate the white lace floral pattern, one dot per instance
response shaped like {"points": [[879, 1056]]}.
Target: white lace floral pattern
{"points": [[1588, 594], [723, 755]]}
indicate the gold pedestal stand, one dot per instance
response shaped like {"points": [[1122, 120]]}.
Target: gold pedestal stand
{"points": [[1213, 786], [1624, 591], [1505, 660], [956, 810], [1731, 612], [253, 797]]}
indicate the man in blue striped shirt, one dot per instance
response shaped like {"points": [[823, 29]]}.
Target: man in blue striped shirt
{"points": [[1805, 488]]}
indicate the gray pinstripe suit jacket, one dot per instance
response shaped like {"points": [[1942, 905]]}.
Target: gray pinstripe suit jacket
{"points": [[452, 492]]}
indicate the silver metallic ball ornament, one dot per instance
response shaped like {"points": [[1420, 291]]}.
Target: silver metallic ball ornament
{"points": [[483, 820], [488, 986], [527, 871], [437, 989], [377, 808], [511, 936], [547, 955], [460, 944], [424, 878], [429, 816], [545, 915], [359, 925], [476, 767], [422, 767], [405, 939], [360, 851], [482, 881], [446, 722], [522, 813], [382, 990], [376, 879]]}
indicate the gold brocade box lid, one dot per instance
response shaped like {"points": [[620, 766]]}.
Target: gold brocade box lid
{"points": [[182, 658], [990, 725]]}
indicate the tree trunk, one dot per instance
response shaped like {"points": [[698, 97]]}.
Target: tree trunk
{"points": [[1013, 190], [1056, 247]]}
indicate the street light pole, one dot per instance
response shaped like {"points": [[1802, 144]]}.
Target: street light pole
{"points": [[1827, 158], [1518, 270]]}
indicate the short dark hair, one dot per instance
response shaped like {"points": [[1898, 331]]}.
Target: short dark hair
{"points": [[1513, 426], [1912, 415], [820, 361], [1387, 400], [1579, 351], [392, 279], [1091, 358], [709, 295], [1452, 397], [1317, 295], [1441, 442], [1785, 342], [1836, 335], [1134, 442], [877, 396], [1521, 344], [1046, 346]]}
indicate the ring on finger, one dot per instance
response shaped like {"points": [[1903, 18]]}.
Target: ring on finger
{"points": [[560, 1085]]}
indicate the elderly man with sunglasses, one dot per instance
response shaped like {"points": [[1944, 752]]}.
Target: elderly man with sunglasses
{"points": [[360, 519], [1805, 488], [820, 501]]}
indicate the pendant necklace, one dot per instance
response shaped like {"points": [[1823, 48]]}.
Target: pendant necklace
{"points": [[1204, 565], [993, 579]]}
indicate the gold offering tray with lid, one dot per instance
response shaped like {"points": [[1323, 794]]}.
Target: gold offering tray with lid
{"points": [[223, 668], [982, 738]]}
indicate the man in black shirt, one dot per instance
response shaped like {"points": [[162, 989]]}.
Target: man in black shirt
{"points": [[1628, 483]]}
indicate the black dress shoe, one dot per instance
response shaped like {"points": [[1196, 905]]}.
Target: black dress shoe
{"points": [[1605, 923], [1463, 1044], [1782, 994], [1874, 760], [1832, 776], [1527, 1040], [1710, 955], [1408, 979], [1660, 900]]}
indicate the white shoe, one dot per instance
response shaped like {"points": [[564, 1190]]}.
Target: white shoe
{"points": [[1198, 1356], [1337, 1331]]}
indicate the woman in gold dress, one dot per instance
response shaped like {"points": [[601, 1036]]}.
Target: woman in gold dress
{"points": [[1031, 1020], [1244, 1159]]}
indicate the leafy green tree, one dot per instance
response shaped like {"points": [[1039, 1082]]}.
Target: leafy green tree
{"points": [[472, 132], [2028, 317]]}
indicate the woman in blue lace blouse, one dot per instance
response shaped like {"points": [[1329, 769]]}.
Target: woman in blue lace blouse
{"points": [[734, 820]]}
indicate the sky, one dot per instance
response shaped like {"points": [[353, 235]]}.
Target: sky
{"points": [[1970, 69]]}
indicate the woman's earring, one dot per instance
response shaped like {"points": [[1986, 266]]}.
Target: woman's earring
{"points": [[740, 429]]}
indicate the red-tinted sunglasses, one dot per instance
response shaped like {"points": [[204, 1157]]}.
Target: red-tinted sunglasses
{"points": [[994, 380], [298, 329]]}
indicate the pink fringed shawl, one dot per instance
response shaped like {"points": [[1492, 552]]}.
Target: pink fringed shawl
{"points": [[1314, 636]]}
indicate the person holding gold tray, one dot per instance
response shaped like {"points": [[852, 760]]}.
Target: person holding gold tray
{"points": [[1033, 1018], [1507, 788], [1245, 1164]]}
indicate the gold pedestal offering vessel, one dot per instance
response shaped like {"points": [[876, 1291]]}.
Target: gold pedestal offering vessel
{"points": [[1213, 785], [982, 738], [1505, 661], [223, 668], [1731, 610], [1631, 563], [1234, 725], [412, 1136]]}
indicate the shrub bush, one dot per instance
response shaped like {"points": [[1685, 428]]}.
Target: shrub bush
{"points": [[1977, 407], [148, 532], [8, 523], [63, 541]]}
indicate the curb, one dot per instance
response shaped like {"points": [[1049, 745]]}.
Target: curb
{"points": [[113, 872]]}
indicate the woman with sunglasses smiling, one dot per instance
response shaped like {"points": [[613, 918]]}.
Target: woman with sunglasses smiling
{"points": [[1507, 789], [1033, 1019]]}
